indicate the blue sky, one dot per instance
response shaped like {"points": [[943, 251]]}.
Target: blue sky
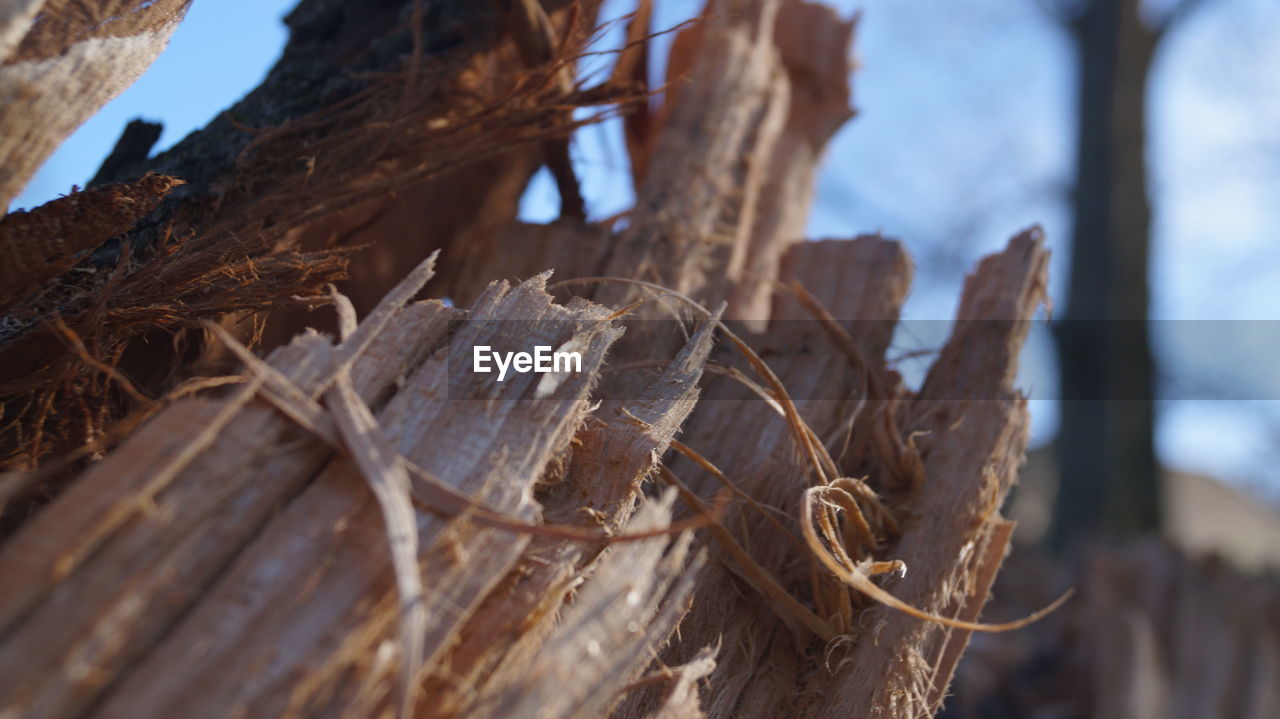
{"points": [[221, 50], [964, 136]]}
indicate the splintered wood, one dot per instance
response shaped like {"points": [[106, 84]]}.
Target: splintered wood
{"points": [[712, 518], [59, 62]]}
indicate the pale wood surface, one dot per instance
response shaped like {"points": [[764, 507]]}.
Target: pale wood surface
{"points": [[224, 562], [120, 550]]}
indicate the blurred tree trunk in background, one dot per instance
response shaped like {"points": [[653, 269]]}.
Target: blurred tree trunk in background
{"points": [[1106, 452]]}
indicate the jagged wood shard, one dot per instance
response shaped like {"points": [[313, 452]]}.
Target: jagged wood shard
{"points": [[351, 528]]}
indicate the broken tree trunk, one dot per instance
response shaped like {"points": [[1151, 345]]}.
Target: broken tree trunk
{"points": [[687, 526], [425, 99]]}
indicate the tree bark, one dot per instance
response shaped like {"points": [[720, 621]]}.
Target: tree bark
{"points": [[414, 113], [1109, 476]]}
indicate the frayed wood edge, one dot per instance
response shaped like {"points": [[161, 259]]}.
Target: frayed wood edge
{"points": [[823, 465], [345, 354], [681, 700], [851, 574], [426, 490], [996, 544], [347, 321]]}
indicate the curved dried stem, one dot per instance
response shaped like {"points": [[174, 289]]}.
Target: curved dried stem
{"points": [[858, 578]]}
